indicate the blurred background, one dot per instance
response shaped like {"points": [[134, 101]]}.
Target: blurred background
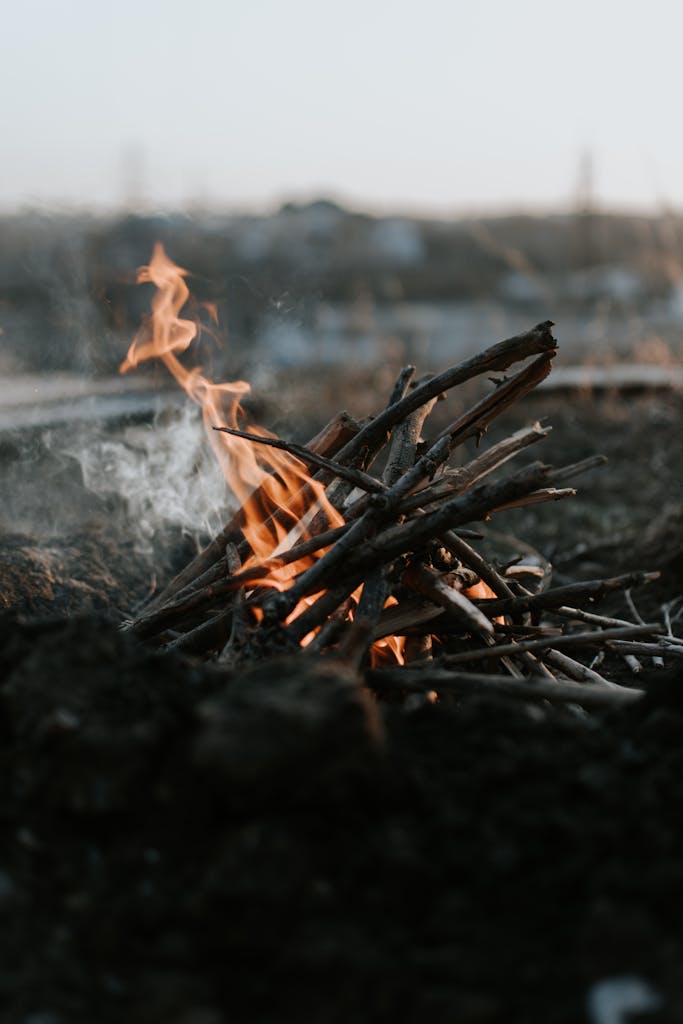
{"points": [[352, 184]]}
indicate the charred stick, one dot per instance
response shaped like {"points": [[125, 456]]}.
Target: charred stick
{"points": [[475, 421], [339, 491], [370, 605], [661, 648], [210, 635], [194, 600], [577, 468], [318, 613], [632, 662], [331, 628], [218, 571], [401, 385], [455, 481], [599, 637], [153, 622], [400, 619], [354, 476], [334, 435], [657, 661], [590, 590], [498, 357], [526, 631], [583, 616], [200, 563], [575, 670], [227, 565], [526, 658], [468, 556], [605, 620], [419, 680], [373, 598], [440, 591], [539, 497], [404, 441], [239, 631], [536, 666], [233, 563]]}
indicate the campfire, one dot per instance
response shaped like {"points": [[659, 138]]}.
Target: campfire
{"points": [[386, 569]]}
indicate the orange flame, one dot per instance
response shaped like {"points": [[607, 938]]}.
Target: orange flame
{"points": [[273, 488]]}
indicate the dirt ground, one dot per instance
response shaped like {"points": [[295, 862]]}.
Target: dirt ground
{"points": [[186, 846]]}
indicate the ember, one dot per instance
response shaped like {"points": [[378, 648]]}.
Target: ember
{"points": [[381, 568]]}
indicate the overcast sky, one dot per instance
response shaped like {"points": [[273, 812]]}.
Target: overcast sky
{"points": [[423, 104]]}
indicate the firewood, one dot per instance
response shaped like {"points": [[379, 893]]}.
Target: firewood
{"points": [[405, 562], [441, 680], [599, 637]]}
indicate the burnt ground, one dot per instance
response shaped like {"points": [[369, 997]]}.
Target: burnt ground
{"points": [[189, 847]]}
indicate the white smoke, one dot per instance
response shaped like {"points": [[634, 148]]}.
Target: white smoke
{"points": [[165, 473]]}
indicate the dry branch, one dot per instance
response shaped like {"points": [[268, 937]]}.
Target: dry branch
{"points": [[307, 455], [599, 637], [590, 590], [441, 680], [498, 357]]}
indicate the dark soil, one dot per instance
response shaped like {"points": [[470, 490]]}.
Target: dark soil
{"points": [[188, 846]]}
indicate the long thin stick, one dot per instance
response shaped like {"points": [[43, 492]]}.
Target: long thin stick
{"points": [[675, 650], [550, 599], [598, 636], [498, 357], [355, 476], [575, 670], [476, 420], [433, 678]]}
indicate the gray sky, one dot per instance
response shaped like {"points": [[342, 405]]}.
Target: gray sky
{"points": [[425, 104]]}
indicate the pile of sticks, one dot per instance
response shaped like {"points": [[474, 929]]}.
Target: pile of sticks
{"points": [[406, 562]]}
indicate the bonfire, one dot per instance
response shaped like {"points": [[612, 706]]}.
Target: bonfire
{"points": [[386, 569]]}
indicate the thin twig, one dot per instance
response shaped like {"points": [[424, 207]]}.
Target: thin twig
{"points": [[661, 648], [455, 481], [355, 476], [575, 670], [419, 680], [557, 596], [599, 637]]}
